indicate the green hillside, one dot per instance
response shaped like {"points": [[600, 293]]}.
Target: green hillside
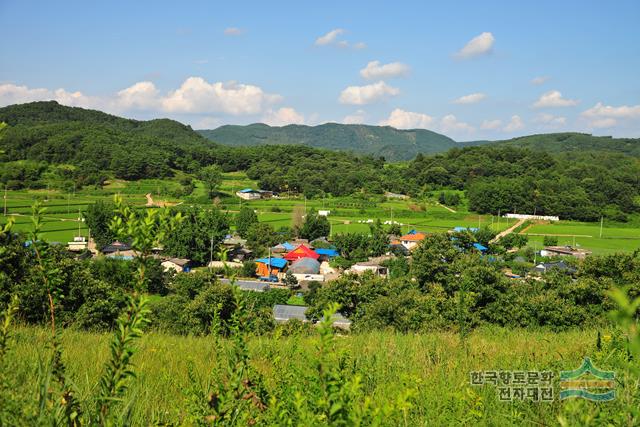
{"points": [[573, 141], [391, 143], [55, 134]]}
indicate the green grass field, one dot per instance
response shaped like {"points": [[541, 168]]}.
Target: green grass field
{"points": [[348, 214], [436, 365]]}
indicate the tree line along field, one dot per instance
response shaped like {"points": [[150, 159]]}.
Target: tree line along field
{"points": [[348, 214], [434, 368]]}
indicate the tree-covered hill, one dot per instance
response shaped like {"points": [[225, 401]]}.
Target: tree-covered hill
{"points": [[385, 141], [574, 142], [97, 142]]}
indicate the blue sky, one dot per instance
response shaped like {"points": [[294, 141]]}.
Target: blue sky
{"points": [[471, 70]]}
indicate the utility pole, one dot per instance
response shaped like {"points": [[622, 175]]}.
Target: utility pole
{"points": [[5, 201], [601, 221], [211, 253], [498, 219], [79, 221]]}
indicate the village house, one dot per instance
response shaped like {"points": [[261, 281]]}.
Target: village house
{"points": [[561, 266], [179, 265], [251, 194], [551, 251], [266, 267], [412, 239]]}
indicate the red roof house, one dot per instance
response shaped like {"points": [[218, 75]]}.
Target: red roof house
{"points": [[301, 252]]}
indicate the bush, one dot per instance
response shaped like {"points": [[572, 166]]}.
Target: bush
{"points": [[550, 241]]}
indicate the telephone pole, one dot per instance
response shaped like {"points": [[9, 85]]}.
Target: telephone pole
{"points": [[601, 221], [5, 201]]}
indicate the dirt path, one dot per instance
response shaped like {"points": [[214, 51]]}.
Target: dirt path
{"points": [[447, 208], [508, 230]]}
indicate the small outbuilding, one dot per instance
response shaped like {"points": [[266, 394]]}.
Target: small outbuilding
{"points": [[179, 265], [305, 266], [270, 266]]}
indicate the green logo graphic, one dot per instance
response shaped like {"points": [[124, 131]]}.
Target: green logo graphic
{"points": [[595, 385]]}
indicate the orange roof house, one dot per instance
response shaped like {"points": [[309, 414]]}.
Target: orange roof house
{"points": [[301, 251], [411, 240]]}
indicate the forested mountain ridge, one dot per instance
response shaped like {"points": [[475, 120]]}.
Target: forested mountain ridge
{"points": [[573, 142], [388, 142]]}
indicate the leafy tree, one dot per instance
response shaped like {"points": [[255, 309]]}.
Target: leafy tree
{"points": [[245, 220], [550, 241], [98, 216], [192, 238], [261, 236], [315, 226], [211, 176]]}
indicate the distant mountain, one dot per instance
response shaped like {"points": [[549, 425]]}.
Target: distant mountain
{"points": [[391, 143], [574, 142]]}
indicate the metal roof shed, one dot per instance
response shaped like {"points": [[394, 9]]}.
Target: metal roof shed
{"points": [[283, 313]]}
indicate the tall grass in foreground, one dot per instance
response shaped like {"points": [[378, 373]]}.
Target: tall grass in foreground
{"points": [[50, 376]]}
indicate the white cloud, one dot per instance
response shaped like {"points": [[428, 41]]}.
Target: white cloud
{"points": [[283, 116], [330, 37], [549, 120], [606, 116], [514, 124], [354, 119], [539, 80], [233, 31], [142, 95], [376, 70], [490, 124], [622, 112], [470, 99], [477, 46], [554, 99], [402, 119], [360, 95], [14, 94], [450, 124], [603, 123], [196, 95]]}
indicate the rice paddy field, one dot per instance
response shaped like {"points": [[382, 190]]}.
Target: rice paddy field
{"points": [[435, 367], [348, 214]]}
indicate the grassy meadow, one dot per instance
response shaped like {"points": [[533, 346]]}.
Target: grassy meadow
{"points": [[436, 366]]}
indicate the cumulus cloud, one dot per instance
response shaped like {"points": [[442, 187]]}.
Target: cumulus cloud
{"points": [[491, 124], [356, 118], [402, 119], [142, 95], [554, 99], [196, 95], [477, 46], [233, 31], [361, 95], [539, 80], [329, 38], [549, 120], [283, 116], [375, 70], [470, 99], [514, 124], [605, 116], [360, 45], [450, 124]]}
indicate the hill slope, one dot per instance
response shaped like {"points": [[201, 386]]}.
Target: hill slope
{"points": [[56, 134], [393, 144], [569, 142]]}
